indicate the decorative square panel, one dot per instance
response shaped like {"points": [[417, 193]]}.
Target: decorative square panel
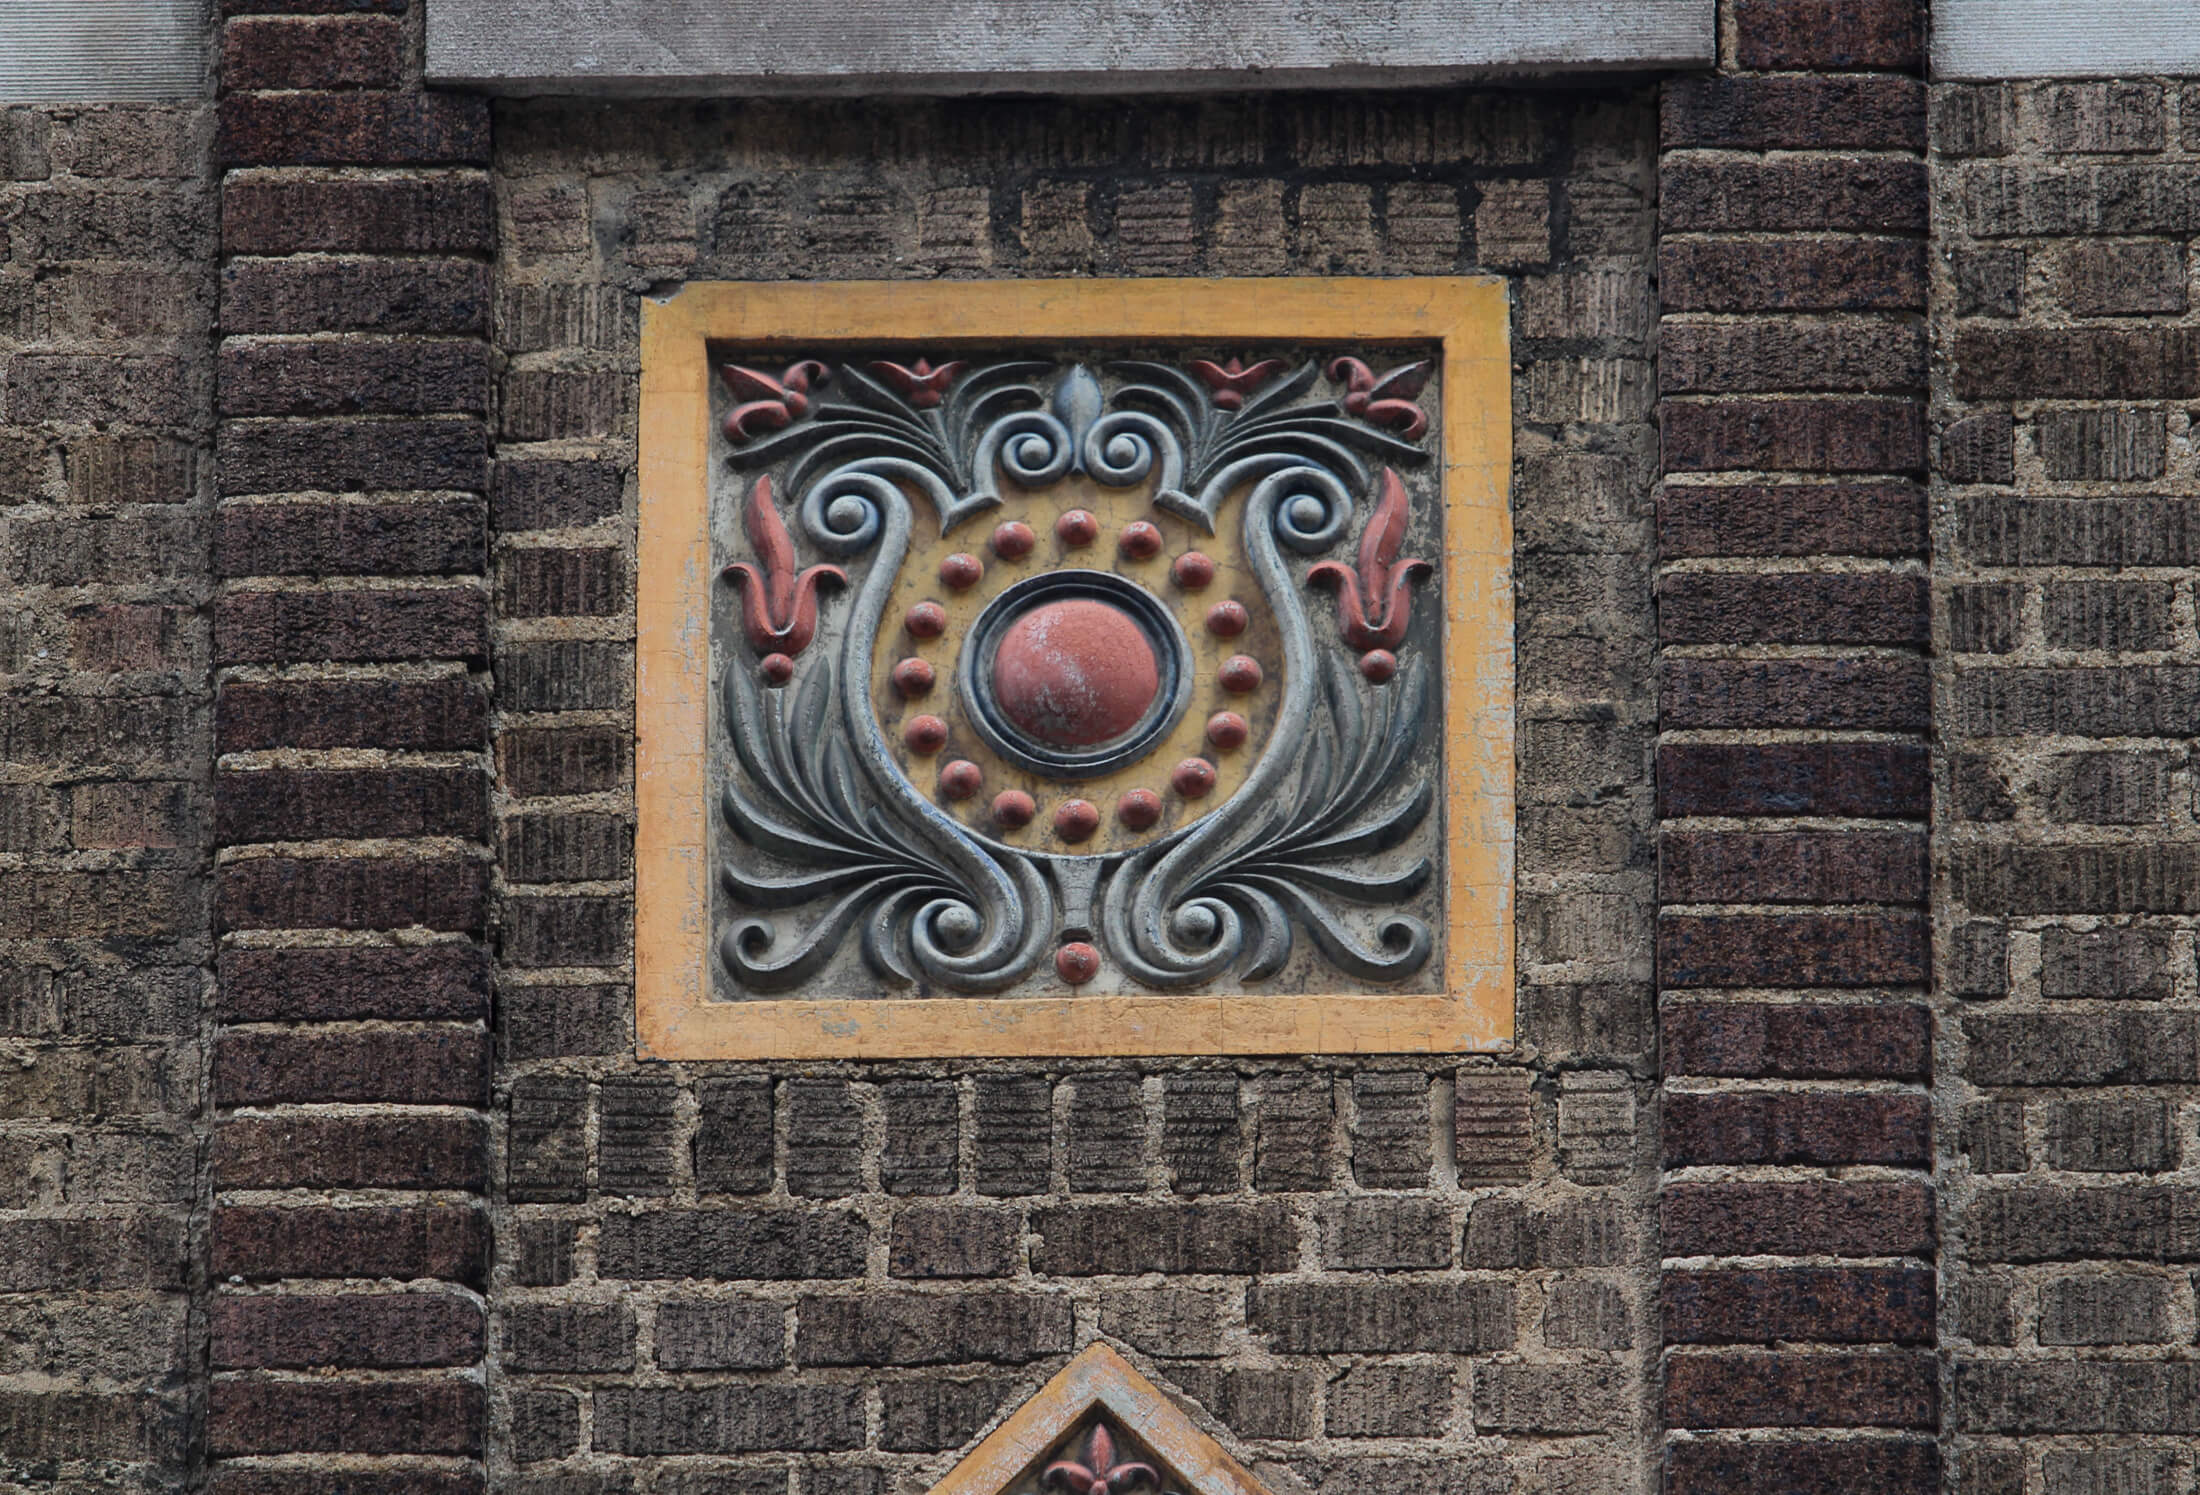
{"points": [[1102, 667]]}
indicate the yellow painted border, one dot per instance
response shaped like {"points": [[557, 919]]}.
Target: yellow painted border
{"points": [[675, 1018], [1098, 1377]]}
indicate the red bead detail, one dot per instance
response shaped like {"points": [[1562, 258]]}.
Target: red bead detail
{"points": [[961, 779], [1378, 665], [925, 620], [1138, 809], [1239, 673], [1077, 528], [913, 677], [1140, 541], [1076, 672], [1077, 962], [925, 735], [777, 669], [1227, 730], [1193, 778], [1013, 809], [1192, 570], [1013, 541], [962, 570], [1227, 619], [1076, 820]]}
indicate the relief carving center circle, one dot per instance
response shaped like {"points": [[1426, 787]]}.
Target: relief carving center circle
{"points": [[1075, 673]]}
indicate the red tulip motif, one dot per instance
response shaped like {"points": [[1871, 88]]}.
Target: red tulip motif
{"points": [[1231, 382], [1374, 606], [778, 606], [769, 404], [1099, 1474], [1385, 401], [922, 386]]}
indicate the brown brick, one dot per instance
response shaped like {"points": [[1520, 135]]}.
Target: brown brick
{"points": [[1794, 1219], [295, 52], [1718, 607], [355, 295], [1792, 867], [413, 1416], [265, 1243], [143, 389], [232, 1478], [1889, 1466], [951, 1241], [1830, 1305], [567, 931], [896, 1328], [280, 627], [1791, 519], [1793, 949], [397, 129], [354, 376], [563, 760], [546, 494], [2159, 877], [1792, 113], [352, 1152], [334, 983], [91, 904], [1797, 1041], [1889, 1390], [1852, 195], [2077, 363], [1862, 779], [1816, 274], [1806, 435], [382, 539], [579, 847], [418, 215], [546, 583], [307, 804], [351, 455], [1830, 33], [1862, 354], [1812, 1127], [447, 893], [450, 713], [420, 1067], [357, 1331], [1126, 1239], [1888, 695]]}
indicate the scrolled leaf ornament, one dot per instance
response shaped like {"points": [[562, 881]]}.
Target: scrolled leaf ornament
{"points": [[1117, 742]]}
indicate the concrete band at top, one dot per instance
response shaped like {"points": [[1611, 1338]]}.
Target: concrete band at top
{"points": [[1106, 46]]}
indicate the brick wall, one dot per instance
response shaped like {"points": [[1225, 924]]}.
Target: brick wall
{"points": [[2069, 695], [1384, 1276], [1793, 769], [106, 296], [349, 1242]]}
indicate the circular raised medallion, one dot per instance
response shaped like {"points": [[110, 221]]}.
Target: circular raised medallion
{"points": [[1072, 674], [1075, 673]]}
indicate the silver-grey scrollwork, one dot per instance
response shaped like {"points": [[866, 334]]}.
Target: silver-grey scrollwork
{"points": [[822, 793], [1176, 914]]}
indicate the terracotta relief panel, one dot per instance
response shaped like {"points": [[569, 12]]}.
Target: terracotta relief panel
{"points": [[1069, 690]]}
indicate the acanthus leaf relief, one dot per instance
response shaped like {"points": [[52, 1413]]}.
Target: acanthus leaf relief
{"points": [[1074, 718]]}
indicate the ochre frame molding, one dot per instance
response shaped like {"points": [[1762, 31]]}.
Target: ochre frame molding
{"points": [[675, 1017]]}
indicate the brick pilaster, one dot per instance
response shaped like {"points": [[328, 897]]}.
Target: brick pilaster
{"points": [[348, 1238], [1793, 773]]}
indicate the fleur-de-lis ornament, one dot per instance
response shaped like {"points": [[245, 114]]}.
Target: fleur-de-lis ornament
{"points": [[1231, 382], [922, 386], [769, 404], [1099, 1474], [1374, 606], [778, 606], [1385, 401]]}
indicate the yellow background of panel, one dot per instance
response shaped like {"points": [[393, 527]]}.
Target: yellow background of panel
{"points": [[675, 1017]]}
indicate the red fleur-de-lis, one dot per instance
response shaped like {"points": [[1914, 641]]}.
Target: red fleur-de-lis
{"points": [[778, 607], [922, 386], [1386, 401], [1384, 582], [768, 403], [1099, 1474], [1232, 381]]}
